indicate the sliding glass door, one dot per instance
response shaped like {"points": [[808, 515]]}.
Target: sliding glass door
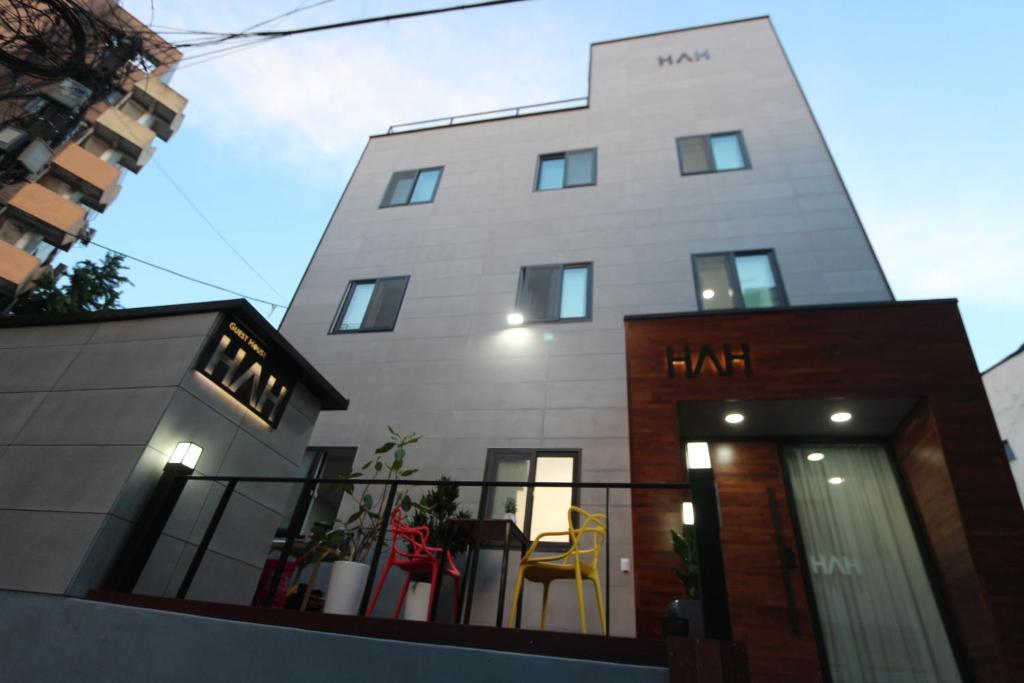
{"points": [[878, 615]]}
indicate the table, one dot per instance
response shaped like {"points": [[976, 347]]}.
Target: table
{"points": [[480, 531]]}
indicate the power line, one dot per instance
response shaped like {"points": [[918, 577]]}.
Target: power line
{"points": [[218, 37], [272, 304], [213, 227]]}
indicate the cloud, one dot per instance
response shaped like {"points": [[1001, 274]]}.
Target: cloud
{"points": [[308, 101]]}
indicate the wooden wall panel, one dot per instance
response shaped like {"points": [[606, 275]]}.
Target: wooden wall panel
{"points": [[875, 350], [758, 606]]}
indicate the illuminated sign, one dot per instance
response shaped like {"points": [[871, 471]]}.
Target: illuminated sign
{"points": [[706, 358], [688, 57], [245, 368]]}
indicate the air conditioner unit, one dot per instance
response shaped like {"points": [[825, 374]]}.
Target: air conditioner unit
{"points": [[11, 138], [69, 93], [35, 156]]}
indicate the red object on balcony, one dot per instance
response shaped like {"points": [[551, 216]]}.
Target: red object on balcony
{"points": [[418, 560]]}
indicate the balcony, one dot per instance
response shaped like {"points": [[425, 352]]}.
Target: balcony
{"points": [[88, 174], [18, 269], [58, 219], [166, 104], [127, 136]]}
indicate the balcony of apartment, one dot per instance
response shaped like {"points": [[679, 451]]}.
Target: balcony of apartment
{"points": [[474, 582], [18, 270], [162, 106], [93, 179], [60, 221], [124, 136]]}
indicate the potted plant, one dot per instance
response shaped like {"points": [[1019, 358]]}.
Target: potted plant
{"points": [[434, 510], [347, 544], [685, 614], [510, 509]]}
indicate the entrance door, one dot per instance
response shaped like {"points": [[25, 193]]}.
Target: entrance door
{"points": [[878, 615], [768, 605]]}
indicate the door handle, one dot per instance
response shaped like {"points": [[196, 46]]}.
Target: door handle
{"points": [[787, 558]]}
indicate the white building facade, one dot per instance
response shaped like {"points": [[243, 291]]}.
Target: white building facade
{"points": [[694, 176], [1004, 384]]}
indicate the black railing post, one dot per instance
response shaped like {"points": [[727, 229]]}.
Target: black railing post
{"points": [[607, 562], [384, 524], [294, 527], [211, 528], [708, 533], [146, 531]]}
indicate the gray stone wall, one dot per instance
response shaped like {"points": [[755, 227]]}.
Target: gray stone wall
{"points": [[453, 371], [89, 415]]}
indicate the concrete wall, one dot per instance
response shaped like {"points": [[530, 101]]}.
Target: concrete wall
{"points": [[112, 643], [1004, 385], [454, 372], [89, 414]]}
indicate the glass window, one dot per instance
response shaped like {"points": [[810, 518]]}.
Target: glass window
{"points": [[574, 292], [567, 169], [738, 280], [727, 152], [714, 282], [757, 281], [879, 617], [1010, 455], [412, 187], [372, 305], [555, 292], [711, 153], [552, 173], [426, 185], [538, 509]]}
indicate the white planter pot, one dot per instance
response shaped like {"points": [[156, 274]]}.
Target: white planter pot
{"points": [[345, 589], [417, 601], [510, 516]]}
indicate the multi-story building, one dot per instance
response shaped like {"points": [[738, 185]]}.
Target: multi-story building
{"points": [[581, 291], [79, 112], [1004, 384]]}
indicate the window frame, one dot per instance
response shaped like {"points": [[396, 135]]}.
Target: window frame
{"points": [[706, 138], [390, 187], [734, 280], [589, 265], [494, 455], [346, 299], [541, 158]]}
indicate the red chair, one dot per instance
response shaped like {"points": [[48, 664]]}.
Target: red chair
{"points": [[418, 559]]}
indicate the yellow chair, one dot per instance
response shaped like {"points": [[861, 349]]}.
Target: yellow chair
{"points": [[575, 563]]}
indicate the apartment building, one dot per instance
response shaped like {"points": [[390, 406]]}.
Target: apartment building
{"points": [[76, 124], [1004, 384], [664, 281]]}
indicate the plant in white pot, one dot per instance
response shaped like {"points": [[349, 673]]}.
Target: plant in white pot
{"points": [[348, 543], [510, 509], [434, 510]]}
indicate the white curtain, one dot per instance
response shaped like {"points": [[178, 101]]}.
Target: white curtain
{"points": [[878, 614]]}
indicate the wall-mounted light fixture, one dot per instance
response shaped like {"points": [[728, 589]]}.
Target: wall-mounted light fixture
{"points": [[687, 513], [515, 319], [698, 455], [186, 453]]}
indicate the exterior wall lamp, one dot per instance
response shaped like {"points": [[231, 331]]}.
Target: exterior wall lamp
{"points": [[707, 533], [145, 533], [687, 513]]}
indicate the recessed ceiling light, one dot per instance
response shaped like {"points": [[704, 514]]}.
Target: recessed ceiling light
{"points": [[815, 457], [734, 418], [515, 319], [836, 481], [708, 294], [841, 416]]}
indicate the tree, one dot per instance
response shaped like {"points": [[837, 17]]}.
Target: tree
{"points": [[91, 286]]}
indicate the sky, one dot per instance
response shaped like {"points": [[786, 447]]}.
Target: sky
{"points": [[921, 104]]}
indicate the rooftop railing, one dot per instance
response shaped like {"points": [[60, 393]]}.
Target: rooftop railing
{"points": [[508, 113]]}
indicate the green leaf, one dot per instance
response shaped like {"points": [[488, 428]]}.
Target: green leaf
{"points": [[367, 464], [392, 430], [406, 503], [386, 447], [353, 517], [408, 473], [413, 439], [367, 501], [400, 454], [378, 466]]}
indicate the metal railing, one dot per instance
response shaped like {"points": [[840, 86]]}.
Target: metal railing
{"points": [[494, 114], [299, 512]]}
